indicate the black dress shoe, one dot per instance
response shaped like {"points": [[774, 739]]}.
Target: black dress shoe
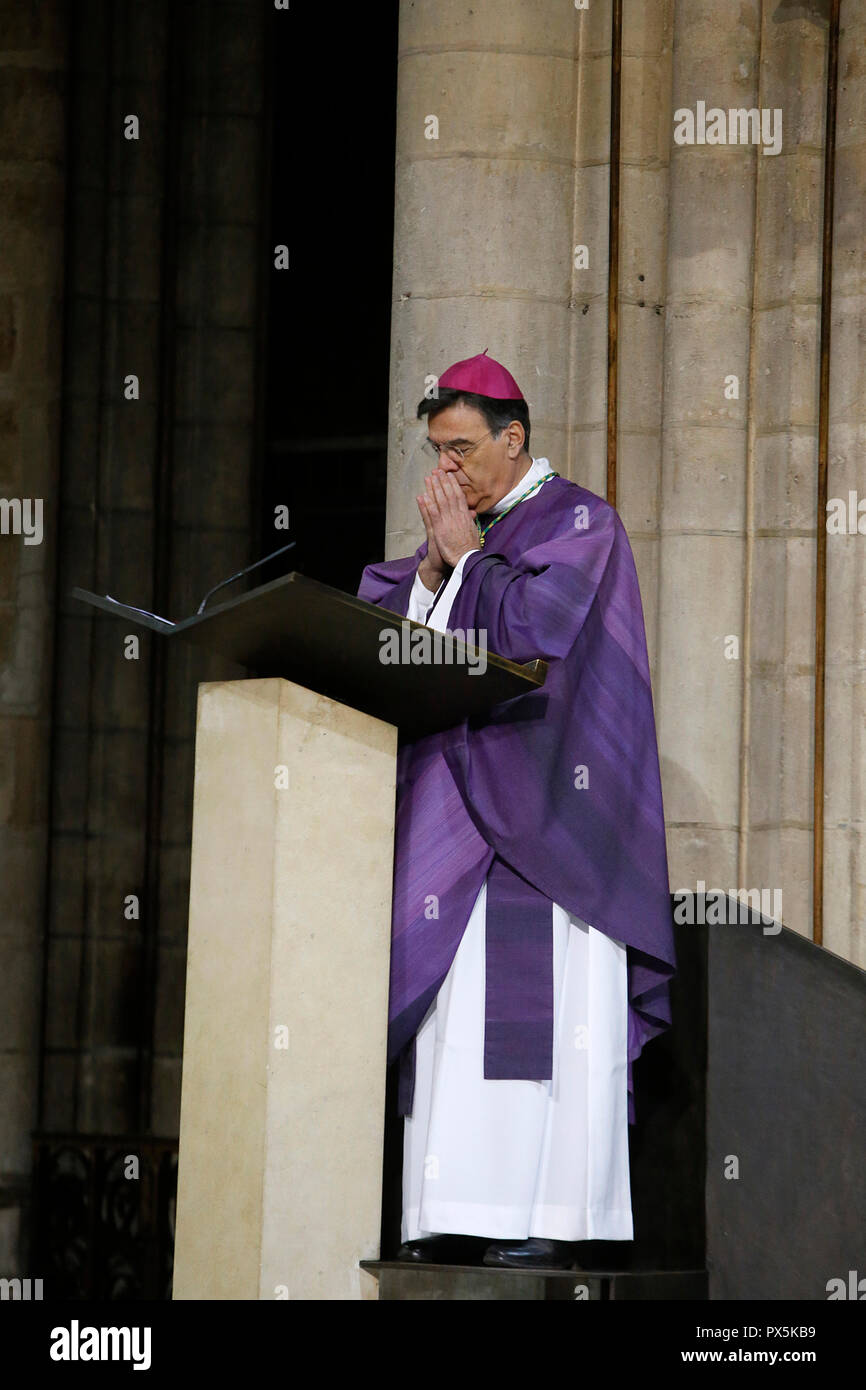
{"points": [[533, 1253], [424, 1250]]}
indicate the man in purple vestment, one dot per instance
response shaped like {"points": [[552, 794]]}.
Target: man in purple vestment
{"points": [[555, 796]]}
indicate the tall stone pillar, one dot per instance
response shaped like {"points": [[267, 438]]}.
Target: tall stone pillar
{"points": [[710, 214], [645, 158], [845, 732], [781, 483], [32, 181], [483, 251]]}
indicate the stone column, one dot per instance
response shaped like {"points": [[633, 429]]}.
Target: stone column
{"points": [[710, 214], [845, 776], [644, 193], [32, 181], [779, 573], [483, 250]]}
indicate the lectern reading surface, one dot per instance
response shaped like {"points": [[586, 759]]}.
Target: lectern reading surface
{"points": [[329, 642]]}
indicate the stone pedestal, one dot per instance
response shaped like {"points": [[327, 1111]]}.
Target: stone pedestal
{"points": [[466, 1283], [283, 1092]]}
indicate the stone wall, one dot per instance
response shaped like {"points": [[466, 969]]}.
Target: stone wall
{"points": [[150, 493], [719, 318], [157, 507], [32, 186]]}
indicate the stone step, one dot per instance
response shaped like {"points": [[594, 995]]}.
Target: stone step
{"points": [[400, 1280]]}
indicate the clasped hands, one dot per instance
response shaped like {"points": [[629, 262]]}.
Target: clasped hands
{"points": [[450, 526]]}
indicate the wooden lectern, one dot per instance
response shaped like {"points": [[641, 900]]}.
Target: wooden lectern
{"points": [[284, 1056]]}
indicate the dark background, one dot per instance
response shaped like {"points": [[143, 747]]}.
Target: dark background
{"points": [[329, 316], [258, 387]]}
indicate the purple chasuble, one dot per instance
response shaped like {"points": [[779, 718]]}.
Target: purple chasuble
{"points": [[555, 794]]}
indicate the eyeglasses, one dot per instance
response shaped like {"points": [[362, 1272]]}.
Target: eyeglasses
{"points": [[451, 451]]}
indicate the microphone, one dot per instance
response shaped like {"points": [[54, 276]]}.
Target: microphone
{"points": [[240, 574]]}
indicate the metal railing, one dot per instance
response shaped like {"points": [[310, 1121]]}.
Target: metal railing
{"points": [[103, 1215]]}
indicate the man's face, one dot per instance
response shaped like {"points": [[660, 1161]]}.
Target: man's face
{"points": [[486, 473]]}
